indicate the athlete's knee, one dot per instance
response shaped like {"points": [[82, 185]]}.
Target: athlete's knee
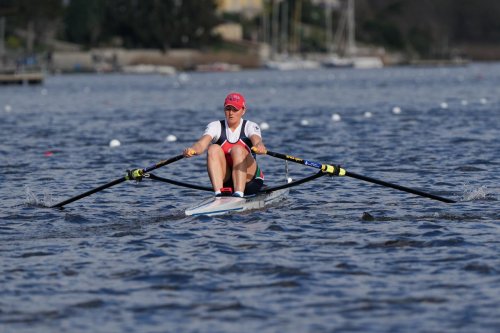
{"points": [[238, 152], [214, 150]]}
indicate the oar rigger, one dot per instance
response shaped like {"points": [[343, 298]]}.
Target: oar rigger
{"points": [[135, 174]]}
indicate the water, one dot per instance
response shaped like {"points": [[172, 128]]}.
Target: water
{"points": [[340, 255]]}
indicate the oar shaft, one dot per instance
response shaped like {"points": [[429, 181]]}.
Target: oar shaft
{"points": [[342, 172], [324, 167], [398, 187], [117, 181], [86, 194], [163, 163]]}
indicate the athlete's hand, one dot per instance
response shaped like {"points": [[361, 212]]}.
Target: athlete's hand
{"points": [[189, 152], [259, 148]]}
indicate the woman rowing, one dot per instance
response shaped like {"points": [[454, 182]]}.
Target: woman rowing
{"points": [[230, 159]]}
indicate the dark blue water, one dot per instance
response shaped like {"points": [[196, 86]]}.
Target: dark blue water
{"points": [[127, 260]]}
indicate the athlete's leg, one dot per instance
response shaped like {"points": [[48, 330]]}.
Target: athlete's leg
{"points": [[244, 167], [217, 167]]}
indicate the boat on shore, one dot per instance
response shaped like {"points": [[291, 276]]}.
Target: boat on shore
{"points": [[148, 69], [218, 67], [21, 78]]}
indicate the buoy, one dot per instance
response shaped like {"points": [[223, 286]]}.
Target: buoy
{"points": [[8, 108], [304, 122], [171, 138], [264, 126], [464, 102], [368, 114], [483, 101], [114, 143], [396, 110], [289, 180], [336, 117], [444, 105], [183, 77]]}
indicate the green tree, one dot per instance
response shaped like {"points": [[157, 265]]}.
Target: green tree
{"points": [[160, 24], [83, 21]]}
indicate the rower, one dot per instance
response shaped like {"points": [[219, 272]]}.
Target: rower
{"points": [[231, 162]]}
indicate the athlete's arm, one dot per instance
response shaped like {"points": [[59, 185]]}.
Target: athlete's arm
{"points": [[258, 144], [199, 147]]}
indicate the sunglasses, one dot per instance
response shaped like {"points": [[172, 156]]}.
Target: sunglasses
{"points": [[230, 108]]}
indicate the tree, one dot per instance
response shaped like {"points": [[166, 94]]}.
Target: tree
{"points": [[160, 24]]}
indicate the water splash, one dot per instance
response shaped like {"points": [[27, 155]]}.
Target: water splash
{"points": [[33, 200], [471, 193]]}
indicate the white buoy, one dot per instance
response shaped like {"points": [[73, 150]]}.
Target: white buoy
{"points": [[304, 122], [368, 114], [396, 110], [444, 105], [171, 138], [183, 77], [114, 143], [264, 126], [336, 117], [8, 108], [483, 101], [289, 180], [464, 102]]}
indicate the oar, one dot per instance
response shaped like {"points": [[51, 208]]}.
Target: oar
{"points": [[118, 181], [337, 170]]}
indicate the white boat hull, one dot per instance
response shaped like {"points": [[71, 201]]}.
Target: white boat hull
{"points": [[225, 205]]}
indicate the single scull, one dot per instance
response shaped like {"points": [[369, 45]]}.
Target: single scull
{"points": [[224, 205], [268, 196]]}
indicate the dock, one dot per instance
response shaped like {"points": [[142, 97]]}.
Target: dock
{"points": [[21, 78]]}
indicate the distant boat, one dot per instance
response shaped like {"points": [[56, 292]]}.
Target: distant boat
{"points": [[334, 61], [148, 69], [288, 64], [218, 67], [346, 31]]}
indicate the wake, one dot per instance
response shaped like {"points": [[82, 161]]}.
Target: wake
{"points": [[34, 201], [472, 194]]}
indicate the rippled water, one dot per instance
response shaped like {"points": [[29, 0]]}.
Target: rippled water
{"points": [[339, 255]]}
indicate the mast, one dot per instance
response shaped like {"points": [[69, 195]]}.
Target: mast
{"points": [[274, 27], [328, 20], [284, 28], [351, 42], [2, 36], [297, 26]]}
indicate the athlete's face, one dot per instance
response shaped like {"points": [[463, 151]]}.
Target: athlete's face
{"points": [[233, 115]]}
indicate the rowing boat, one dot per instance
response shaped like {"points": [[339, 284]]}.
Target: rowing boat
{"points": [[224, 205]]}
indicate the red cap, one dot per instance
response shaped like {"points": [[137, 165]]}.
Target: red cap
{"points": [[235, 99]]}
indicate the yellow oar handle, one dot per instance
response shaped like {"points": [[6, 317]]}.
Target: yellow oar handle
{"points": [[255, 150], [334, 170]]}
